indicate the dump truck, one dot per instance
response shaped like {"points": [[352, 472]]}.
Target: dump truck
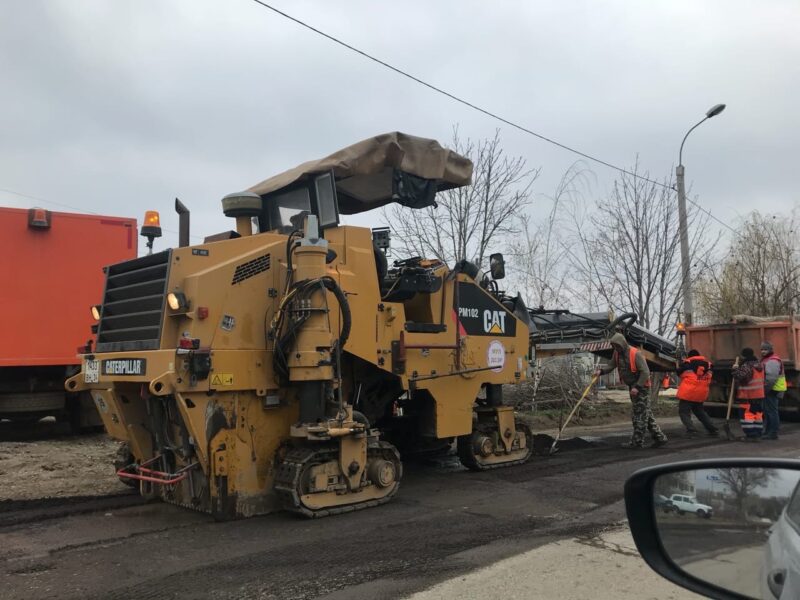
{"points": [[53, 273], [721, 343], [288, 365]]}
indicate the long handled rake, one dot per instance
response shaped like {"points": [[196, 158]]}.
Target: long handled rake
{"points": [[727, 425], [553, 448]]}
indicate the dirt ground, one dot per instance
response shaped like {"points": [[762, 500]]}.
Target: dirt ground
{"points": [[44, 461], [612, 406]]}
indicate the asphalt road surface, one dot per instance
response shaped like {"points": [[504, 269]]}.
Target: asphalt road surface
{"points": [[444, 523], [688, 543]]}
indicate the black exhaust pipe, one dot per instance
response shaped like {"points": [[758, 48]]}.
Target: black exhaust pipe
{"points": [[183, 223]]}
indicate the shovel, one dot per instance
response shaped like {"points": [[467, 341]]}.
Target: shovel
{"points": [[553, 448], [727, 425]]}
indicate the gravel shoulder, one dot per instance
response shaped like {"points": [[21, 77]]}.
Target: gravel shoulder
{"points": [[52, 464], [610, 407]]}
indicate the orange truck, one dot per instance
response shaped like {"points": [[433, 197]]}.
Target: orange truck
{"points": [[52, 274], [722, 343]]}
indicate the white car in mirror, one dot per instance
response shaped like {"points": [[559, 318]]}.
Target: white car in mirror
{"points": [[689, 504]]}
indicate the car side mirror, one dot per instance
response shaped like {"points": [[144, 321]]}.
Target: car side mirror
{"points": [[497, 266], [724, 528]]}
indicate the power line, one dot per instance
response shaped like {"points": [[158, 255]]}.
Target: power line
{"points": [[75, 208], [708, 212], [477, 108], [49, 201]]}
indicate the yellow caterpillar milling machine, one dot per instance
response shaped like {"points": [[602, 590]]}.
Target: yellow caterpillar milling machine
{"points": [[288, 368]]}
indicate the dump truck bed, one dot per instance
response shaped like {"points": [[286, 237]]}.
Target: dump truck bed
{"points": [[722, 343], [51, 277]]}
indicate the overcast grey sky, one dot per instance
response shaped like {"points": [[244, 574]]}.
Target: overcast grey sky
{"points": [[119, 106]]}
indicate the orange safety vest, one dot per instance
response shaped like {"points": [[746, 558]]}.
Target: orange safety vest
{"points": [[632, 361], [753, 389], [694, 384]]}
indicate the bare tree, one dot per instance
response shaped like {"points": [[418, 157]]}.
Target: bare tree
{"points": [[760, 275], [468, 222], [630, 249], [677, 482], [742, 482], [542, 270]]}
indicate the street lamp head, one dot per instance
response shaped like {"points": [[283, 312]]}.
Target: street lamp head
{"points": [[712, 112]]}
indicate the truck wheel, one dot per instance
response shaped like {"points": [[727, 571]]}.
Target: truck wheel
{"points": [[716, 412], [680, 512], [701, 513], [27, 421], [790, 414], [789, 407], [73, 407]]}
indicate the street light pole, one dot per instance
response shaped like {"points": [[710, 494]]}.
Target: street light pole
{"points": [[683, 227]]}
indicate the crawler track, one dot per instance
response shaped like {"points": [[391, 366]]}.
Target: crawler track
{"points": [[466, 453], [288, 479]]}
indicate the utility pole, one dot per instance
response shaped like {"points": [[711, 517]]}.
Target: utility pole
{"points": [[683, 226]]}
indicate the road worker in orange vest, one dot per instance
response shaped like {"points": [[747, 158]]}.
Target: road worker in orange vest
{"points": [[695, 374], [634, 372], [749, 375]]}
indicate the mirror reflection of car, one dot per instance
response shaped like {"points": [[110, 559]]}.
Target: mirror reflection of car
{"points": [[664, 504], [683, 504], [723, 560], [780, 567]]}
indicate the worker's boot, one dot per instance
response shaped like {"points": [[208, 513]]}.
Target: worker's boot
{"points": [[632, 446]]}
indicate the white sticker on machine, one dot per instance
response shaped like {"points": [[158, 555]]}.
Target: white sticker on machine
{"points": [[496, 356], [228, 322]]}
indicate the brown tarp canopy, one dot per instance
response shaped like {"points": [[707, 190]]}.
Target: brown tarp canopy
{"points": [[364, 171]]}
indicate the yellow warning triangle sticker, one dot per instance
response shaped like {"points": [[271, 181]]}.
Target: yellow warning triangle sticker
{"points": [[216, 380], [495, 329]]}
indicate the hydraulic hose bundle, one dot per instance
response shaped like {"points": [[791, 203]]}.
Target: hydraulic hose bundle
{"points": [[291, 316]]}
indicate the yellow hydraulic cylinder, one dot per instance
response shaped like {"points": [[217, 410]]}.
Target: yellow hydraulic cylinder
{"points": [[311, 358]]}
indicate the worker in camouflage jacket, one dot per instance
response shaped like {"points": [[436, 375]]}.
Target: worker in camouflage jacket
{"points": [[634, 372]]}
